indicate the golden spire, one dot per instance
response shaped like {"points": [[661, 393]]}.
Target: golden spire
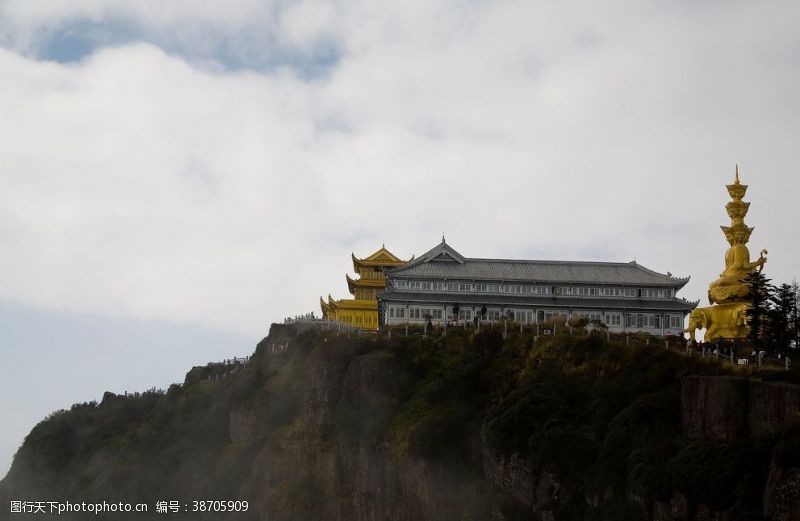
{"points": [[738, 231], [730, 288]]}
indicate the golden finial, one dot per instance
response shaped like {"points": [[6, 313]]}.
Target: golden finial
{"points": [[737, 174]]}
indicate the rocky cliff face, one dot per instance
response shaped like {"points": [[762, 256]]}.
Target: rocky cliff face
{"points": [[331, 463], [743, 409], [735, 408], [467, 427]]}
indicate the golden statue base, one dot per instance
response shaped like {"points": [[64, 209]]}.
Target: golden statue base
{"points": [[721, 322]]}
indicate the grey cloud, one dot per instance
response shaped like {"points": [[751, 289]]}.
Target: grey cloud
{"points": [[173, 190]]}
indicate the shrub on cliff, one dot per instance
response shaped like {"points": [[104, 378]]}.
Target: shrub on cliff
{"points": [[722, 475]]}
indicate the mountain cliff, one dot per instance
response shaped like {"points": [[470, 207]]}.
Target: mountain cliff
{"points": [[469, 426]]}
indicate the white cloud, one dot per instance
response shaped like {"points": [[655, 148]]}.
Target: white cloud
{"points": [[36, 12], [137, 184], [310, 22]]}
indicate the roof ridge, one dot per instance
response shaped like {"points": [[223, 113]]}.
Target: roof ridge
{"points": [[666, 276], [580, 268], [546, 261], [632, 264]]}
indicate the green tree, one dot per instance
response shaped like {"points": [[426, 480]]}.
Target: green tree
{"points": [[795, 321], [781, 316], [759, 296]]}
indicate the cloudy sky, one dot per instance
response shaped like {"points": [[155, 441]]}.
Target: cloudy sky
{"points": [[176, 175]]}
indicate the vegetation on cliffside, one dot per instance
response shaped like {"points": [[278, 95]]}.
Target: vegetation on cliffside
{"points": [[304, 432]]}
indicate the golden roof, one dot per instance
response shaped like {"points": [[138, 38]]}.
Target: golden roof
{"points": [[364, 283], [382, 257]]}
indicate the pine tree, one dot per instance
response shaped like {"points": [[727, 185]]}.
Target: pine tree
{"points": [[795, 323], [759, 292], [784, 310]]}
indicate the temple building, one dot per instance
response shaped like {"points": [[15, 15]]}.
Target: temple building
{"points": [[362, 311], [444, 285]]}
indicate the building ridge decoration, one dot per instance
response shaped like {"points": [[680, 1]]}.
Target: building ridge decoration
{"points": [[441, 251]]}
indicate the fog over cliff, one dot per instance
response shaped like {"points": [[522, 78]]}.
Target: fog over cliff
{"points": [[469, 426]]}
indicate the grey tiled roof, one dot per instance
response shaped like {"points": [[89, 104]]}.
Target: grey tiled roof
{"points": [[443, 262], [391, 295]]}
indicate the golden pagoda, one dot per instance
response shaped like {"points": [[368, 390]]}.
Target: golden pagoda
{"points": [[362, 311], [726, 318]]}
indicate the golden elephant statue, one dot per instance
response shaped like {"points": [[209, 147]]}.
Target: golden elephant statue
{"points": [[726, 321]]}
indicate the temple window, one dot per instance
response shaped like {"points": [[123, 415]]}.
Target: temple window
{"points": [[657, 293], [548, 315], [651, 321], [522, 315], [588, 315]]}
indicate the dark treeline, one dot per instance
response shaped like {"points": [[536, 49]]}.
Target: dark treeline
{"points": [[773, 315]]}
